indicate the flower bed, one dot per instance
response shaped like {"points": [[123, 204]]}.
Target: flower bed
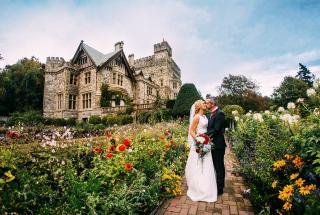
{"points": [[279, 154], [128, 171]]}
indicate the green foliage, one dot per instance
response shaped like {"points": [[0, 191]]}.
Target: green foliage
{"points": [[305, 75], [106, 96], [228, 109], [187, 95], [237, 85], [94, 119], [21, 86], [155, 116], [170, 103], [27, 118], [289, 90], [111, 120]]}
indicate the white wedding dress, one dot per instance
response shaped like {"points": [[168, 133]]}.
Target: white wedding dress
{"points": [[200, 174]]}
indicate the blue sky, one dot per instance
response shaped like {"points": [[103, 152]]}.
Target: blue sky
{"points": [[264, 40]]}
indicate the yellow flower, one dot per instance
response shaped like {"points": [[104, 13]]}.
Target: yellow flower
{"points": [[294, 176], [278, 164], [304, 190], [298, 162], [312, 187], [287, 206], [299, 182], [9, 176], [286, 193], [288, 156], [274, 184]]}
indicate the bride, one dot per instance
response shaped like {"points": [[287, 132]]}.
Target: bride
{"points": [[200, 174]]}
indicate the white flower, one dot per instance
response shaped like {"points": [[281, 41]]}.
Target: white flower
{"points": [[63, 162], [300, 100], [267, 112], [290, 119], [258, 117], [227, 129], [280, 109], [53, 151], [200, 139], [316, 84], [129, 150], [311, 92], [273, 117], [235, 112], [144, 130], [236, 118], [291, 105], [248, 114], [316, 111]]}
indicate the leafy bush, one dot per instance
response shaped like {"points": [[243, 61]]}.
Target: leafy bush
{"points": [[187, 95], [170, 103], [28, 118], [231, 111], [94, 119]]}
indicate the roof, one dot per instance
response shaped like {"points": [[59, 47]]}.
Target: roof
{"points": [[97, 57]]}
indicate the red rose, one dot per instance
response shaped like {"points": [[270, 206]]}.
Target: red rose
{"points": [[206, 138], [122, 148], [109, 155], [128, 166], [126, 142], [108, 135], [97, 149]]}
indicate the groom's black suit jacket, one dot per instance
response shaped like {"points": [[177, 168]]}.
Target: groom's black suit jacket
{"points": [[216, 128]]}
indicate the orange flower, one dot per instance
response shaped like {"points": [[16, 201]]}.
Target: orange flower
{"points": [[128, 166], [97, 149], [171, 141], [126, 142], [294, 176], [278, 164], [161, 137], [299, 182], [304, 190], [274, 184], [312, 187], [167, 146], [288, 156], [287, 206], [298, 162], [286, 193], [122, 148]]}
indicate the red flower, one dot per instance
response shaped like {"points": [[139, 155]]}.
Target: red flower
{"points": [[206, 137], [126, 142], [112, 148], [122, 148], [97, 149], [128, 166], [12, 134], [167, 133], [171, 141], [161, 137], [109, 155], [108, 135], [167, 146]]}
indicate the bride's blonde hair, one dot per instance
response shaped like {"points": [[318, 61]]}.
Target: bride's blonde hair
{"points": [[197, 106]]}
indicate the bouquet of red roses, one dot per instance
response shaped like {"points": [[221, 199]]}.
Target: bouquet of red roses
{"points": [[203, 144]]}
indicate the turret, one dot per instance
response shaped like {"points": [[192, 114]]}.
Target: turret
{"points": [[118, 46], [54, 62], [162, 47]]}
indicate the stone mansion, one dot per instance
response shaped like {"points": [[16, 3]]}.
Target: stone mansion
{"points": [[72, 89]]}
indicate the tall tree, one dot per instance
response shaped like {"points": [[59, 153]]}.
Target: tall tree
{"points": [[305, 75], [237, 85], [21, 86], [289, 90], [187, 95]]}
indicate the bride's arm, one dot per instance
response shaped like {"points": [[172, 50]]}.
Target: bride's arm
{"points": [[194, 126]]}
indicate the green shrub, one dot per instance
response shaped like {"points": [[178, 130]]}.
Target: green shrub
{"points": [[170, 103], [228, 109], [27, 118], [188, 94], [95, 119]]}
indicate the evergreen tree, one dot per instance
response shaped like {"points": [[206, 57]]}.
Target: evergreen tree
{"points": [[305, 75], [187, 95]]}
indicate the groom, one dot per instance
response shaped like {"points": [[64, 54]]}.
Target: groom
{"points": [[216, 127]]}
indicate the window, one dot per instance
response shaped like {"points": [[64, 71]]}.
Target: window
{"points": [[83, 60], [59, 101], [175, 95], [72, 102], [174, 85], [119, 76], [87, 77], [121, 80], [161, 82], [114, 78], [73, 79], [86, 100], [149, 90]]}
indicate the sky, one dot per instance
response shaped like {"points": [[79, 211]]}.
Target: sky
{"points": [[265, 40]]}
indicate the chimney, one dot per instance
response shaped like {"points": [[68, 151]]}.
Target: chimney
{"points": [[131, 59], [118, 46]]}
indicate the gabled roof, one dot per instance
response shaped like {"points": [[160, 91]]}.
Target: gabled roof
{"points": [[97, 57]]}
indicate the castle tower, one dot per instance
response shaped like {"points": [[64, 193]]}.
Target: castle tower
{"points": [[162, 50]]}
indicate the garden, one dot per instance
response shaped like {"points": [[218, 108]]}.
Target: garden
{"points": [[128, 169], [279, 155]]}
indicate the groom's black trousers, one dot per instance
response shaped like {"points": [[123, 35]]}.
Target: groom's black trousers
{"points": [[218, 162]]}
